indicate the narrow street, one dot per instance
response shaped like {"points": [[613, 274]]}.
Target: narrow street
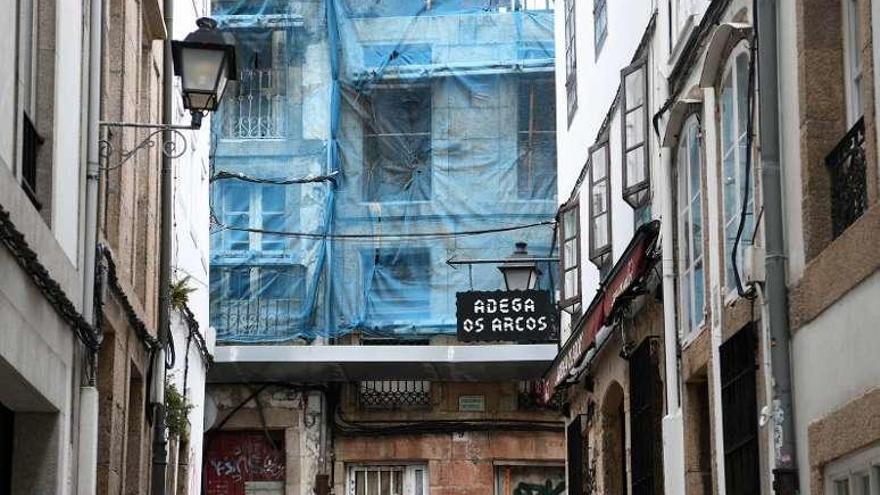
{"points": [[439, 247]]}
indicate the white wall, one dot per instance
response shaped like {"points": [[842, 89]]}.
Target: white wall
{"points": [[597, 79], [839, 347], [190, 253]]}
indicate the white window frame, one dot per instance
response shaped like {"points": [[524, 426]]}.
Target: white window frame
{"points": [[852, 468], [410, 484], [690, 255], [853, 67], [739, 161], [255, 217]]}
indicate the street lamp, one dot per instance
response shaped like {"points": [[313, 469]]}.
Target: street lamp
{"points": [[205, 62], [520, 270]]}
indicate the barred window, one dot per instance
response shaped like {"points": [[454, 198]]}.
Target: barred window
{"points": [[388, 480]]}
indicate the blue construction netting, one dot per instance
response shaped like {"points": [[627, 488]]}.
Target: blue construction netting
{"points": [[366, 143]]}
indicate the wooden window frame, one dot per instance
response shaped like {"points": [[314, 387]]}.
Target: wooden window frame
{"points": [[569, 300], [636, 195], [600, 255]]}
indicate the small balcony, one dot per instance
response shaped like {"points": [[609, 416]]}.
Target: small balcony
{"points": [[394, 394], [258, 110], [847, 172], [256, 320]]}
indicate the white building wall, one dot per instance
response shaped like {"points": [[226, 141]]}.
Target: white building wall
{"points": [[597, 79], [190, 256], [840, 347], [39, 356]]}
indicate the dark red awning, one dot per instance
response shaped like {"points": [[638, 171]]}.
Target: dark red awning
{"points": [[628, 270]]}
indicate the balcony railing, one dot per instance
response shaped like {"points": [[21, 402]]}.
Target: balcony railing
{"points": [[394, 394], [256, 318], [847, 171], [258, 110]]}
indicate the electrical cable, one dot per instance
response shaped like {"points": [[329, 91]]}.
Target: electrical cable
{"points": [[418, 235], [224, 175], [744, 212]]}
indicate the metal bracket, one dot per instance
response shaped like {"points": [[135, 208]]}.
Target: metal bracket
{"points": [[173, 145]]}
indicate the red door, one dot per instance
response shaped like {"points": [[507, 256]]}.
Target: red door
{"points": [[234, 459]]}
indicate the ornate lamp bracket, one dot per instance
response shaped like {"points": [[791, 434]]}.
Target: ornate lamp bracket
{"points": [[172, 141]]}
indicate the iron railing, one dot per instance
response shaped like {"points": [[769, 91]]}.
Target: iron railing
{"points": [[256, 317], [394, 394], [258, 110], [847, 171]]}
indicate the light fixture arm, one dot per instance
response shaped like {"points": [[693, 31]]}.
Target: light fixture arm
{"points": [[173, 147]]}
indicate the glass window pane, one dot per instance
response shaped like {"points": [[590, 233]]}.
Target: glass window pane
{"points": [[239, 283], [372, 482], [360, 483], [273, 199], [635, 167], [742, 91], [841, 487], [699, 296], [635, 89], [569, 222], [600, 232], [697, 227], [571, 284], [600, 192], [570, 253], [635, 127], [597, 168], [236, 198]]}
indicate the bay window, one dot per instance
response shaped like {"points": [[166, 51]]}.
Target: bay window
{"points": [[734, 138], [853, 61], [634, 116], [691, 266], [570, 242], [570, 59], [600, 206]]}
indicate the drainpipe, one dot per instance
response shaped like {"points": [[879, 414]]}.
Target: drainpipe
{"points": [[160, 433], [673, 422], [783, 436], [87, 448]]}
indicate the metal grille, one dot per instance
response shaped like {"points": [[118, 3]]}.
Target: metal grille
{"points": [[388, 480], [256, 317], [394, 394], [31, 142], [646, 411], [847, 168], [740, 413], [257, 111]]}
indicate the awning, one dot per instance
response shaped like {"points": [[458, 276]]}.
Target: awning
{"points": [[624, 276]]}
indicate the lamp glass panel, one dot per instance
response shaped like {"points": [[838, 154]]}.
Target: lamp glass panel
{"points": [[201, 68], [517, 278]]}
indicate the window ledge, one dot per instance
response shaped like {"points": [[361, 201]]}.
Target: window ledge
{"points": [[840, 267]]}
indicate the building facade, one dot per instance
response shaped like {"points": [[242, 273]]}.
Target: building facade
{"points": [[763, 178], [47, 338], [368, 145]]}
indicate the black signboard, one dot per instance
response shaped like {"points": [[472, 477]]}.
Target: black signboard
{"points": [[518, 316]]}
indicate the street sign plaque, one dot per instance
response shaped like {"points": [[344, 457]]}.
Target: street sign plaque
{"points": [[513, 316]]}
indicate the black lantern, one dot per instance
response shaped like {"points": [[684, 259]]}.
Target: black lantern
{"points": [[520, 271], [205, 62]]}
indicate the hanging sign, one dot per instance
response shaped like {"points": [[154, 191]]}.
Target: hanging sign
{"points": [[517, 316]]}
